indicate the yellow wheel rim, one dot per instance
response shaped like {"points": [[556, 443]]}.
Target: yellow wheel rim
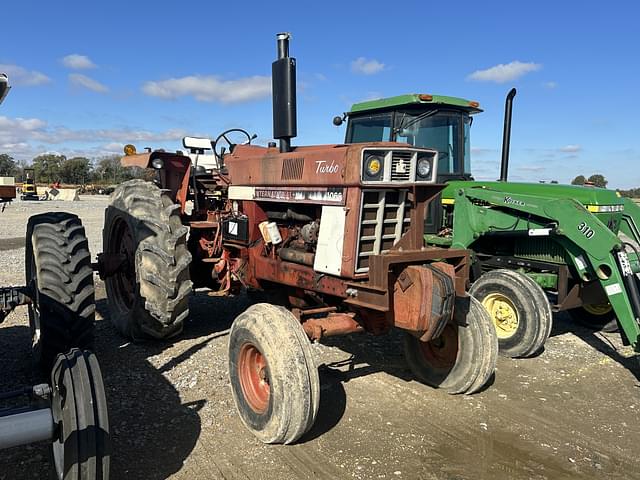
{"points": [[598, 309], [503, 314]]}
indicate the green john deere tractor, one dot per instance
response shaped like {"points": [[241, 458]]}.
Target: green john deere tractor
{"points": [[537, 248]]}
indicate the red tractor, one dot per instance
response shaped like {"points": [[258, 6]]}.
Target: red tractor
{"points": [[332, 233]]}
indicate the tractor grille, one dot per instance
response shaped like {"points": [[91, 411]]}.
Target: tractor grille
{"points": [[292, 168], [385, 217], [401, 162], [540, 249]]}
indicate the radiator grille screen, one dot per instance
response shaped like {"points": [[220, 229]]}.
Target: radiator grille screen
{"points": [[385, 217]]}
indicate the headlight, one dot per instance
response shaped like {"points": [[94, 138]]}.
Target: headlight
{"points": [[157, 163], [373, 167], [424, 168]]}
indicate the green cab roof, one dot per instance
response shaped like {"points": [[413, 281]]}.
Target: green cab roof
{"points": [[415, 99]]}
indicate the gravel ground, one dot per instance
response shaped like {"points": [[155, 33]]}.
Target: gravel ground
{"points": [[571, 412]]}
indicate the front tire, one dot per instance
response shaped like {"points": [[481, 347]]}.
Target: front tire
{"points": [[60, 277], [274, 379], [519, 309], [463, 357], [150, 294]]}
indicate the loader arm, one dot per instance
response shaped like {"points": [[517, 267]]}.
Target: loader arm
{"points": [[595, 251]]}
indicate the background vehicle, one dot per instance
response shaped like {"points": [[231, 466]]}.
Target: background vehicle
{"points": [[578, 244], [29, 189], [332, 233]]}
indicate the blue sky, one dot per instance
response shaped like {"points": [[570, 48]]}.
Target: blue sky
{"points": [[89, 77]]}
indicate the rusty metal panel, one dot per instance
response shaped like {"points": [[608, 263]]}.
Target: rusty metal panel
{"points": [[294, 275]]}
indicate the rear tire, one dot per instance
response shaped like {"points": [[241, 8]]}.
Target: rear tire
{"points": [[59, 274], [150, 296], [274, 379], [600, 318], [519, 310], [463, 358]]}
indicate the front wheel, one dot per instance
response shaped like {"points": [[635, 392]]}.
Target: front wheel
{"points": [[519, 310], [463, 357], [274, 379]]}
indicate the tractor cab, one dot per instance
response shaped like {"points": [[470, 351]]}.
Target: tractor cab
{"points": [[432, 121], [438, 122]]}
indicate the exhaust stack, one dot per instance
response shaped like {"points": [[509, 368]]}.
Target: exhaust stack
{"points": [[283, 78], [506, 135]]}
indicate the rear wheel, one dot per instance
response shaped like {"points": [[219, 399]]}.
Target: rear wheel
{"points": [[149, 294], [60, 278], [519, 310], [600, 317], [274, 379], [463, 357]]}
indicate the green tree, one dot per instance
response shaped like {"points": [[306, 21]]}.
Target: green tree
{"points": [[8, 166], [579, 180], [47, 167], [75, 170], [109, 170], [598, 180]]}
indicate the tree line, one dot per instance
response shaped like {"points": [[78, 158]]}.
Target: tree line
{"points": [[51, 168], [597, 180]]}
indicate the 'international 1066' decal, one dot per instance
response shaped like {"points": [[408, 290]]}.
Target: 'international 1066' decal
{"points": [[326, 196]]}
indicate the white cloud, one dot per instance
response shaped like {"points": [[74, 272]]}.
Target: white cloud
{"points": [[28, 136], [550, 85], [78, 62], [366, 67], [21, 76], [570, 149], [504, 72], [89, 83], [210, 88]]}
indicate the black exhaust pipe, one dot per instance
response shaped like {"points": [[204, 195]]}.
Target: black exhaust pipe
{"points": [[506, 135], [283, 84]]}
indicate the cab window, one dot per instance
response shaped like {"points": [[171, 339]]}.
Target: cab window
{"points": [[372, 128]]}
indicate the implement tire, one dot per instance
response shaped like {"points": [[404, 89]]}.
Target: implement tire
{"points": [[274, 380], [59, 275], [81, 446], [149, 295], [519, 310], [463, 358]]}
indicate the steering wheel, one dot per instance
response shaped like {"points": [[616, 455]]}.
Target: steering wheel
{"points": [[231, 145]]}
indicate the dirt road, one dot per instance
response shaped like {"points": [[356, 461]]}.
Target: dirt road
{"points": [[572, 412]]}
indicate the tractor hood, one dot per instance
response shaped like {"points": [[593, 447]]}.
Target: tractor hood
{"points": [[587, 196]]}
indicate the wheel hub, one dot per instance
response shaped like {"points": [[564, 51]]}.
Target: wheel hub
{"points": [[442, 352], [124, 279], [254, 378], [503, 313], [598, 309]]}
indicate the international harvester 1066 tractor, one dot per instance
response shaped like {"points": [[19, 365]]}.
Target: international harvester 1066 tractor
{"points": [[576, 245], [334, 235]]}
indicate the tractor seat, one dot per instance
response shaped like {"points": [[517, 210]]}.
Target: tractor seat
{"points": [[205, 163]]}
